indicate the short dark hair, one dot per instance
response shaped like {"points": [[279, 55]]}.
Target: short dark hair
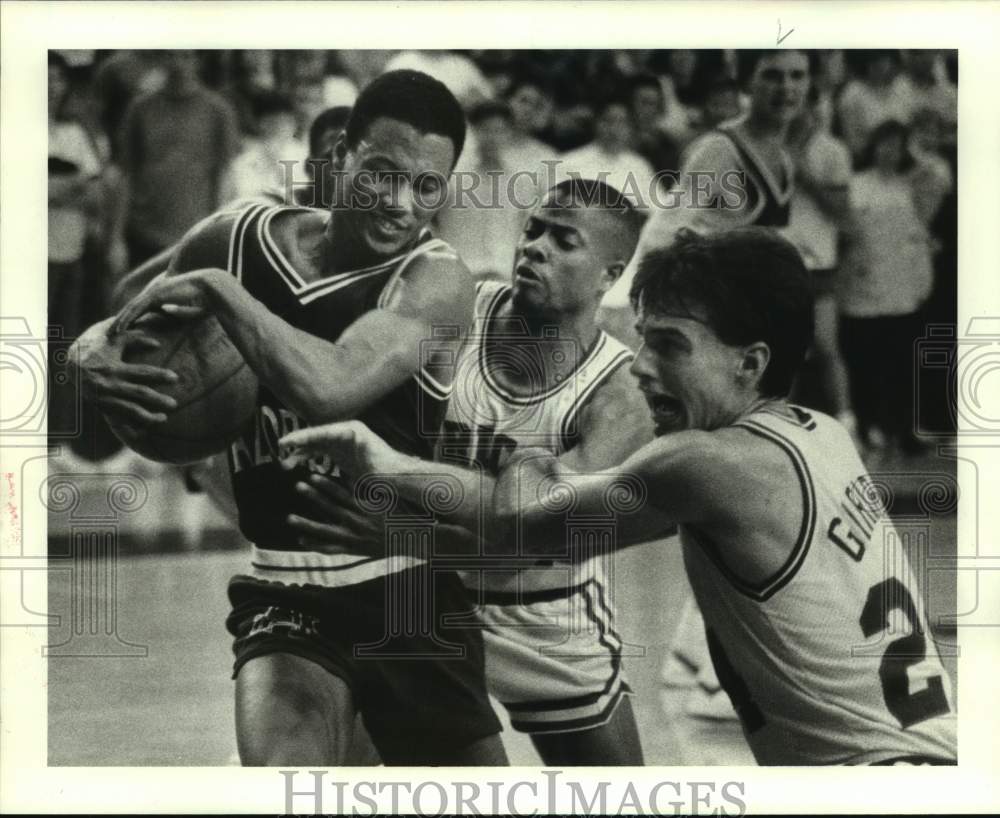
{"points": [[411, 97], [332, 119], [889, 129], [595, 193], [751, 283], [749, 59]]}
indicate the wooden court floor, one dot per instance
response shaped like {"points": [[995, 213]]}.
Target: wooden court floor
{"points": [[166, 699]]}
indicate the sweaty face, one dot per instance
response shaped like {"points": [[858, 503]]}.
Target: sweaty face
{"points": [[779, 86], [559, 261], [396, 180], [687, 375]]}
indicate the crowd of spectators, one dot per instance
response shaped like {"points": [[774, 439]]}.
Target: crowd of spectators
{"points": [[143, 144]]}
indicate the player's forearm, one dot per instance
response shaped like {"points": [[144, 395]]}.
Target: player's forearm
{"points": [[517, 513], [137, 280], [456, 541], [318, 380], [535, 499], [420, 481]]}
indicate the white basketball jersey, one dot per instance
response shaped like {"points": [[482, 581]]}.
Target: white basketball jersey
{"points": [[830, 661], [484, 418]]}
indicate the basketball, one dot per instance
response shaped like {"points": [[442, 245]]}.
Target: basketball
{"points": [[216, 391]]}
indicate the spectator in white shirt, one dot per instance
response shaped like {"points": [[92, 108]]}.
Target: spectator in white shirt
{"points": [[886, 278], [875, 96], [531, 107], [273, 158], [819, 208], [610, 157]]}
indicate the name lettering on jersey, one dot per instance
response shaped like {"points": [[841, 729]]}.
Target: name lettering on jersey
{"points": [[860, 509], [260, 445]]}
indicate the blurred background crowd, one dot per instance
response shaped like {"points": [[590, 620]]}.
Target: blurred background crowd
{"points": [[143, 144]]}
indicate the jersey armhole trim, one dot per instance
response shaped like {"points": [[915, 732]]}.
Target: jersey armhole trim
{"points": [[569, 419], [424, 247], [431, 385], [765, 589], [237, 239]]}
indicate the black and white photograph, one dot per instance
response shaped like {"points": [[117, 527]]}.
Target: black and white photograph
{"points": [[604, 412]]}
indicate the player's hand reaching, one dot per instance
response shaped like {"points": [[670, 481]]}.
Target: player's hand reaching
{"points": [[184, 296], [355, 448], [124, 391], [339, 523]]}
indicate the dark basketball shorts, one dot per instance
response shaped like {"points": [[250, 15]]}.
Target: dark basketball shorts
{"points": [[412, 677]]}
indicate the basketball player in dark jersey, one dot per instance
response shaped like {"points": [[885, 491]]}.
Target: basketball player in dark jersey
{"points": [[338, 315]]}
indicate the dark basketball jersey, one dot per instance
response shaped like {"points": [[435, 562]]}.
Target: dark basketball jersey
{"points": [[768, 196], [407, 418]]}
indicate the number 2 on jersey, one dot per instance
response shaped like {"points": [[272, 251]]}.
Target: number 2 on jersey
{"points": [[902, 654]]}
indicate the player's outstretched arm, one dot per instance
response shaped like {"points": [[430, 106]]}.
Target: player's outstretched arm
{"points": [[668, 481], [359, 452], [319, 380], [614, 424]]}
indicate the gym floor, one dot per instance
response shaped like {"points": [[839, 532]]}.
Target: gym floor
{"points": [[165, 696]]}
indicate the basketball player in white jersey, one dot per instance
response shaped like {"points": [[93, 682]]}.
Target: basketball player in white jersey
{"points": [[814, 618], [331, 310], [536, 371], [754, 146]]}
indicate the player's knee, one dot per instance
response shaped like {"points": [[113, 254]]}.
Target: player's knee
{"points": [[284, 717]]}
